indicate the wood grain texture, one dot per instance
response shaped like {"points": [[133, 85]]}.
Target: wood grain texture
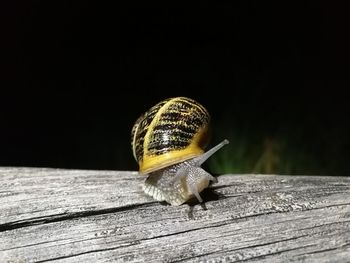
{"points": [[103, 216]]}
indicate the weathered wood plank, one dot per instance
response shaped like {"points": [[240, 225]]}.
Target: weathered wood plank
{"points": [[103, 216]]}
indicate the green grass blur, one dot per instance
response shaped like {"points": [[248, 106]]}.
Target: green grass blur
{"points": [[289, 153]]}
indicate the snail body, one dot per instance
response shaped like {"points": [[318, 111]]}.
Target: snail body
{"points": [[168, 142]]}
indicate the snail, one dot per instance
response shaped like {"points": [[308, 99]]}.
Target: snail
{"points": [[168, 142]]}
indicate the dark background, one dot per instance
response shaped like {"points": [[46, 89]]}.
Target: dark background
{"points": [[77, 75]]}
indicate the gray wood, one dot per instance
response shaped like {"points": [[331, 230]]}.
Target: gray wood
{"points": [[103, 216]]}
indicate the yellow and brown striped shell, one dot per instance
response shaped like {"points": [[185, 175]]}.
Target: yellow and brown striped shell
{"points": [[172, 131]]}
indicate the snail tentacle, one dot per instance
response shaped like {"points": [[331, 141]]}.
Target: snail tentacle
{"points": [[202, 158]]}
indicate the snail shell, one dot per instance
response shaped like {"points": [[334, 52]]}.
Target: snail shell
{"points": [[168, 142], [172, 131]]}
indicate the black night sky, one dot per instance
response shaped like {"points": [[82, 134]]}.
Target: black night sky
{"points": [[76, 76]]}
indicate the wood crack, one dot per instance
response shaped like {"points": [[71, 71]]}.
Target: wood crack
{"points": [[249, 247], [276, 253], [325, 250], [68, 216], [328, 206], [325, 225], [77, 254], [220, 224]]}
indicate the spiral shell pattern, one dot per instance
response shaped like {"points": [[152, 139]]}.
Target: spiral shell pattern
{"points": [[174, 130]]}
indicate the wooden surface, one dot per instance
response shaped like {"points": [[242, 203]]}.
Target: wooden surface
{"points": [[103, 216]]}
